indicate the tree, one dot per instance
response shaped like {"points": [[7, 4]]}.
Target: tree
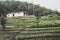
{"points": [[3, 11], [3, 22], [21, 7]]}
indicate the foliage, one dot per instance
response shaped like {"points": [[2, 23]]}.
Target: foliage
{"points": [[14, 6], [32, 22]]}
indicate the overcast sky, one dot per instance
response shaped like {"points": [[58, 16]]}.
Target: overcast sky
{"points": [[51, 4]]}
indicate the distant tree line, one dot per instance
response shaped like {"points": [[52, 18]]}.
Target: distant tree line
{"points": [[14, 6]]}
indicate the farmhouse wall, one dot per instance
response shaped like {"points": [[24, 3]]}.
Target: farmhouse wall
{"points": [[17, 14]]}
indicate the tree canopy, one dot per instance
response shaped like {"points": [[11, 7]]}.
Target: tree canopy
{"points": [[14, 6]]}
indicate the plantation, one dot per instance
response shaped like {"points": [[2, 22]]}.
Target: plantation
{"points": [[45, 21], [44, 24], [48, 28]]}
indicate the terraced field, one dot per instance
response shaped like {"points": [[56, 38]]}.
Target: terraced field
{"points": [[50, 33], [48, 29], [39, 32], [31, 22]]}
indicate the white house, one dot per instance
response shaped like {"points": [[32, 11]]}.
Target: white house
{"points": [[16, 14]]}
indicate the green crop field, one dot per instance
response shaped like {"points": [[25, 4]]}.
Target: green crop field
{"points": [[46, 27], [32, 22]]}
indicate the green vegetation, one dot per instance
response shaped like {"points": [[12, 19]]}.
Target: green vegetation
{"points": [[15, 6], [48, 24], [45, 21], [39, 32]]}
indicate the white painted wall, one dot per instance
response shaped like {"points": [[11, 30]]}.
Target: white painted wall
{"points": [[19, 14], [15, 14], [9, 15]]}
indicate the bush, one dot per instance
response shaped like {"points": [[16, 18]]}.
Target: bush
{"points": [[47, 23]]}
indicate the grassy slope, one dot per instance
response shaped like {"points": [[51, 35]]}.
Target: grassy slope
{"points": [[39, 32], [33, 32], [32, 22]]}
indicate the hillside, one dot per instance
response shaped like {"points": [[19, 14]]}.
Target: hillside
{"points": [[45, 25], [15, 6]]}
